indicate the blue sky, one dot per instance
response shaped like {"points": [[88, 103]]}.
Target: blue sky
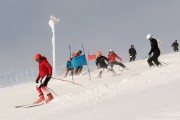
{"points": [[98, 24]]}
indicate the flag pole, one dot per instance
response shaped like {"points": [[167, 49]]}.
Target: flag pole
{"points": [[72, 72], [87, 63]]}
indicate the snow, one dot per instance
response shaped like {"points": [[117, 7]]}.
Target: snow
{"points": [[140, 93]]}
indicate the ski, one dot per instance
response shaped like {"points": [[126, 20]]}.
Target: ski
{"points": [[29, 105]]}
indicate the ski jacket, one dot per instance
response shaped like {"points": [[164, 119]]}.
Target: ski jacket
{"points": [[132, 52], [68, 65], [112, 57], [76, 54], [100, 61], [175, 45], [154, 46], [44, 68]]}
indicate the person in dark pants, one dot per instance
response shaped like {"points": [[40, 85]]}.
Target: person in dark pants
{"points": [[101, 63], [175, 46], [132, 53], [45, 73], [69, 68], [155, 50], [78, 69], [112, 60]]}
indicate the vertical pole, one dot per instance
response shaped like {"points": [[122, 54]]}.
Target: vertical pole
{"points": [[53, 20], [72, 72], [87, 63]]}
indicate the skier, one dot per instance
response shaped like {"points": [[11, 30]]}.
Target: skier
{"points": [[175, 46], [132, 53], [78, 70], [155, 50], [68, 67], [112, 58], [45, 73], [101, 64]]}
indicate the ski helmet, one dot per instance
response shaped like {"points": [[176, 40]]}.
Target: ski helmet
{"points": [[149, 36], [111, 51], [37, 56], [99, 53]]}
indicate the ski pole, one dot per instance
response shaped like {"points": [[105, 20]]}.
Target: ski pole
{"points": [[145, 57], [67, 81], [52, 91], [164, 63]]}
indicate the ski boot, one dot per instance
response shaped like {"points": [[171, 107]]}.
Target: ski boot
{"points": [[49, 97], [41, 99]]}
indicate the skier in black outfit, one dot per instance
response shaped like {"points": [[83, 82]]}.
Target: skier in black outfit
{"points": [[132, 53], [155, 50], [101, 64], [175, 46]]}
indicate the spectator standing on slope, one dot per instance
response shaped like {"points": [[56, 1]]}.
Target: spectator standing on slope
{"points": [[78, 70], [175, 46], [68, 67], [132, 53]]}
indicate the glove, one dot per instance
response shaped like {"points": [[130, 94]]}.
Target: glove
{"points": [[121, 60], [37, 80], [49, 76]]}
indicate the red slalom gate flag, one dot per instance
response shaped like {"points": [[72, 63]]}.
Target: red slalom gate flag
{"points": [[91, 57]]}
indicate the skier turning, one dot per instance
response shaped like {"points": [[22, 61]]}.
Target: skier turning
{"points": [[112, 58], [45, 73], [101, 63], [155, 50]]}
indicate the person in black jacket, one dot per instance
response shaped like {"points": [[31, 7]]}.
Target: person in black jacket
{"points": [[101, 63], [175, 46], [155, 50], [132, 53]]}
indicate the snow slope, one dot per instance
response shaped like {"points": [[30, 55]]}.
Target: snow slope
{"points": [[140, 93]]}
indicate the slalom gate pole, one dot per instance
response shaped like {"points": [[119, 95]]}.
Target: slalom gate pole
{"points": [[87, 64], [67, 81], [72, 72]]}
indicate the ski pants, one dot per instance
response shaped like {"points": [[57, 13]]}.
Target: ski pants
{"points": [[132, 58], [78, 70], [117, 63], [154, 59]]}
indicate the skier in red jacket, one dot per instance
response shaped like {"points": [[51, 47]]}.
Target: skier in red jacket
{"points": [[45, 73], [112, 59]]}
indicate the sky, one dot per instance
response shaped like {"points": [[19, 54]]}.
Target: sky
{"points": [[97, 24]]}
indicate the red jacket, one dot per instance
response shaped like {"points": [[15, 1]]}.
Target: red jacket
{"points": [[44, 68], [112, 57]]}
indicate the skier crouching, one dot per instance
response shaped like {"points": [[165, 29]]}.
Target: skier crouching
{"points": [[101, 64], [112, 58], [45, 73]]}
